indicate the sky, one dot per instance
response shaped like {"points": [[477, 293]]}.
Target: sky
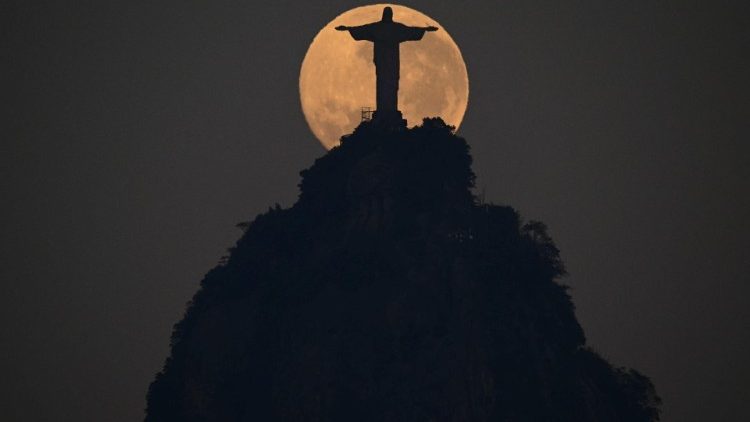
{"points": [[136, 134]]}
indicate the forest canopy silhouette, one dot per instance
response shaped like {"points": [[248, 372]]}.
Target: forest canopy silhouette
{"points": [[390, 292]]}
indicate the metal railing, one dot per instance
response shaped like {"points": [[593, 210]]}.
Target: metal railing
{"points": [[366, 113]]}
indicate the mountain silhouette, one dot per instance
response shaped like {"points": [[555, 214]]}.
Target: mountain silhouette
{"points": [[388, 292]]}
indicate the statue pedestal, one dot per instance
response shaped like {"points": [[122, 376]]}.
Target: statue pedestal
{"points": [[388, 120]]}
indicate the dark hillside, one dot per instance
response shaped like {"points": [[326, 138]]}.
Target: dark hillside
{"points": [[388, 293]]}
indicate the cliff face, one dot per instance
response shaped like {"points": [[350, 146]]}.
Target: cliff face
{"points": [[387, 293]]}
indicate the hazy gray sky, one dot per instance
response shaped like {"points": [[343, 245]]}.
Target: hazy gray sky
{"points": [[136, 134]]}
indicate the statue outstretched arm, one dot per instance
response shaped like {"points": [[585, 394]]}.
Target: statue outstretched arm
{"points": [[363, 32], [414, 33]]}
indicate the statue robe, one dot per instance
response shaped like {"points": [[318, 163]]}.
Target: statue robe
{"points": [[386, 35]]}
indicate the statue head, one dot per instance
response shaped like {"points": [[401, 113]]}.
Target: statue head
{"points": [[388, 14]]}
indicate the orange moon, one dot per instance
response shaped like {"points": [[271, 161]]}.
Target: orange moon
{"points": [[337, 77]]}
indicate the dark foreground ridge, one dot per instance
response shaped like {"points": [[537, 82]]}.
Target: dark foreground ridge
{"points": [[387, 293]]}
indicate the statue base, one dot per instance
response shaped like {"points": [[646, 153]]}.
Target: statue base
{"points": [[390, 120]]}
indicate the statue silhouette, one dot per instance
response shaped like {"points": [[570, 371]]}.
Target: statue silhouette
{"points": [[386, 35]]}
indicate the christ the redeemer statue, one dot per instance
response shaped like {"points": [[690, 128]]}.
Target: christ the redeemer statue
{"points": [[387, 35]]}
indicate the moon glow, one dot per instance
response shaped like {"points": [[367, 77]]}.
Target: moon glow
{"points": [[337, 77]]}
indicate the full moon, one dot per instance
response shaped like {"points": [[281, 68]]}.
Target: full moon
{"points": [[337, 78]]}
